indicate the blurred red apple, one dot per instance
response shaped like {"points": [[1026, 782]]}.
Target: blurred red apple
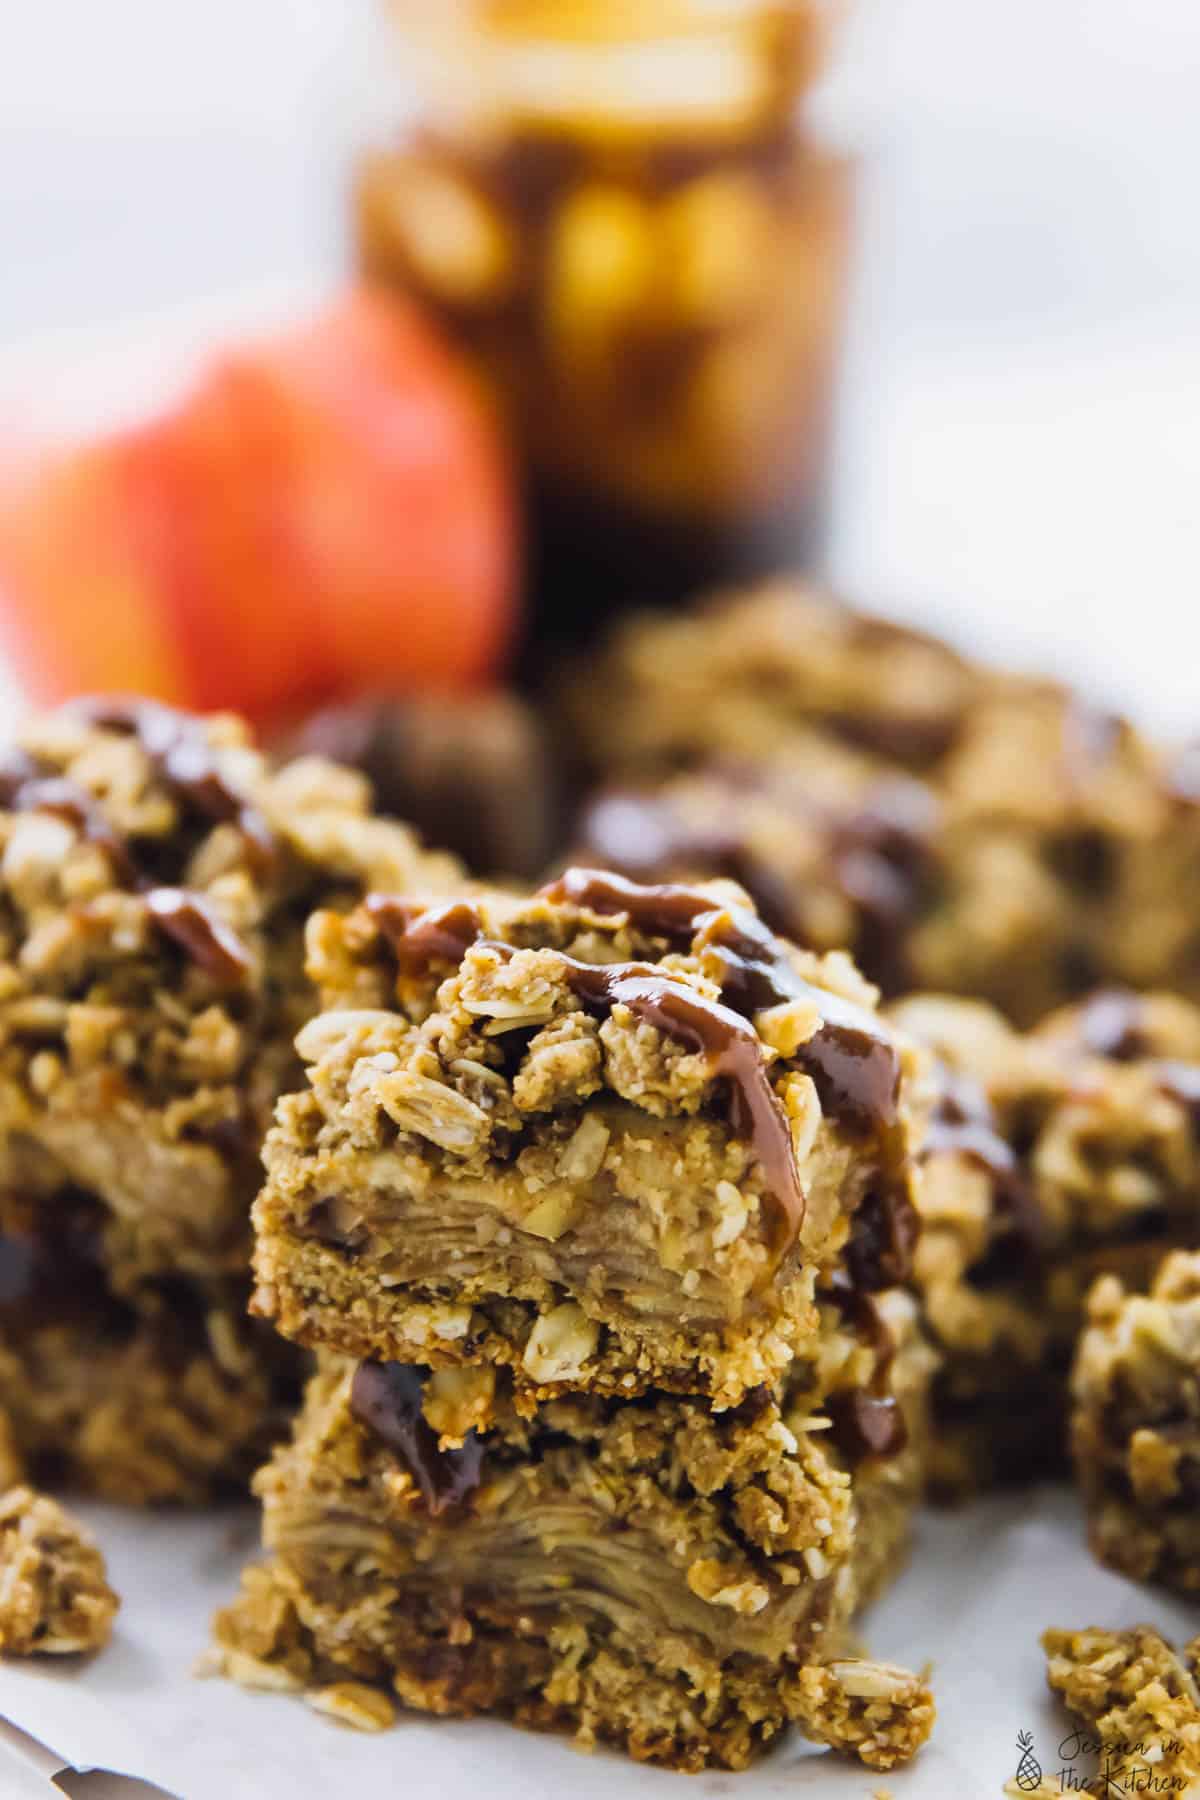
{"points": [[324, 512]]}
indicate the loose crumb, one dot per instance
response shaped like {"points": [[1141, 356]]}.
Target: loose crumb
{"points": [[54, 1594]]}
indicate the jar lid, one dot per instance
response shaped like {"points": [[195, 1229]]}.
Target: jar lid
{"points": [[610, 67]]}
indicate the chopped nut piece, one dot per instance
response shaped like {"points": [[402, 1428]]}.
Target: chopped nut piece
{"points": [[554, 1214], [560, 1344], [458, 1400], [709, 1580], [734, 1214], [584, 1154], [354, 1704]]}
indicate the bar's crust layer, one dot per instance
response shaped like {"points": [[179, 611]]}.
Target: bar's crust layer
{"points": [[646, 1572]]}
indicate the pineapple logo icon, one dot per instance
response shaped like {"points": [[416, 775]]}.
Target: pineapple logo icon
{"points": [[1029, 1770]]}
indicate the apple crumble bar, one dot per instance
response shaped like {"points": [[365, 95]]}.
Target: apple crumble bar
{"points": [[747, 674], [1135, 1426], [956, 828], [165, 1393], [609, 1137], [1047, 1159], [597, 1209], [645, 1571], [155, 879]]}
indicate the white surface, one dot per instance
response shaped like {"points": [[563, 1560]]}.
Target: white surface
{"points": [[982, 1585]]}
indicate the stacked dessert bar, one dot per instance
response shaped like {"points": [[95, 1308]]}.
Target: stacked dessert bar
{"points": [[958, 829], [155, 878], [597, 1207], [1049, 1159]]}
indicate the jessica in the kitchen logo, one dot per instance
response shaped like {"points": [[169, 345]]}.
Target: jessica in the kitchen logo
{"points": [[1110, 1770]]}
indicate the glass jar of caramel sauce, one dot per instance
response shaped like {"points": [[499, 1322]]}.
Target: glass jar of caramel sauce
{"points": [[617, 208]]}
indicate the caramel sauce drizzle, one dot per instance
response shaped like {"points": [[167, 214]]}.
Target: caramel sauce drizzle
{"points": [[177, 746], [884, 860], [883, 1236], [641, 834], [419, 935], [964, 1125], [732, 1051], [1114, 1024], [53, 1270], [189, 921], [853, 1065], [867, 1421], [964, 1122], [386, 1398], [880, 856]]}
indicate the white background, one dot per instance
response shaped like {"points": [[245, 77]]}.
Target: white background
{"points": [[1019, 461], [1020, 441]]}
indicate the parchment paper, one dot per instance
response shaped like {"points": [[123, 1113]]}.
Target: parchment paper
{"points": [[981, 1585]]}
